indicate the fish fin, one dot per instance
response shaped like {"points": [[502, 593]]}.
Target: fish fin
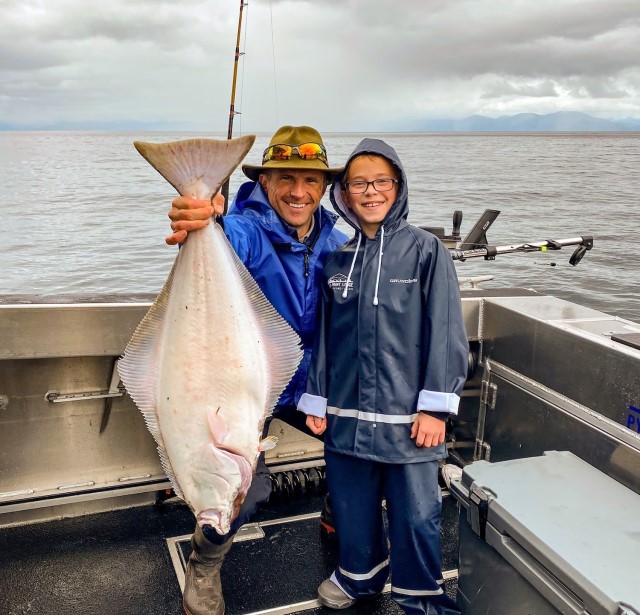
{"points": [[138, 366], [268, 443], [244, 467], [284, 348], [196, 167], [217, 426], [168, 470]]}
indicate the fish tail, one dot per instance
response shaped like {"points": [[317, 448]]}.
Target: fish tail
{"points": [[196, 167]]}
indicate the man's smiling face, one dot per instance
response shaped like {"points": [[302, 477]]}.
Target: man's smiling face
{"points": [[294, 195]]}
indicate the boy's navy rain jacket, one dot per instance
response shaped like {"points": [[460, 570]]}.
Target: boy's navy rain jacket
{"points": [[391, 339], [286, 270]]}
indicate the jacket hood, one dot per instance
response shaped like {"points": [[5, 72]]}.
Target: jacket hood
{"points": [[251, 201], [399, 210]]}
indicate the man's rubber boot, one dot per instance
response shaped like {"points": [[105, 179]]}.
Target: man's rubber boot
{"points": [[202, 586], [327, 527]]}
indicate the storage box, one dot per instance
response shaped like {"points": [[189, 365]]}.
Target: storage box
{"points": [[547, 534]]}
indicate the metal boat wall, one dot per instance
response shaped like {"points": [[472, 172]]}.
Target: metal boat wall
{"points": [[544, 374], [558, 376], [71, 440]]}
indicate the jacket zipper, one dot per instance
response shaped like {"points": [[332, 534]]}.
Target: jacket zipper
{"points": [[306, 263], [308, 253]]}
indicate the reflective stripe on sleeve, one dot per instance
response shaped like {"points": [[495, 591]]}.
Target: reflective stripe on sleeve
{"points": [[373, 417]]}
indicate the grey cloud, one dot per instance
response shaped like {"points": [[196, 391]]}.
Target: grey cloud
{"points": [[165, 24], [504, 87], [595, 88], [334, 62], [545, 39], [24, 54]]}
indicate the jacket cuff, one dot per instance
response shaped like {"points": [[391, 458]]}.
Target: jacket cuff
{"points": [[313, 405], [443, 416], [435, 401]]}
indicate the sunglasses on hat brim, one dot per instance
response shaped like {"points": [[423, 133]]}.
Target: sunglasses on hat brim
{"points": [[306, 151]]}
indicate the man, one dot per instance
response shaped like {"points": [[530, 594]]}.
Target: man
{"points": [[283, 236]]}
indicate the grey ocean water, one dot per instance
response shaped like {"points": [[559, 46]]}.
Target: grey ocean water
{"points": [[83, 213]]}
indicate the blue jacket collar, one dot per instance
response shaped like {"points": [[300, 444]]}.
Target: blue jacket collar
{"points": [[251, 201]]}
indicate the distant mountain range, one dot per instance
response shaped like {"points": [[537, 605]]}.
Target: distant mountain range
{"points": [[562, 121]]}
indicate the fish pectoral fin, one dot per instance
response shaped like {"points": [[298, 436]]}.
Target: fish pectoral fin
{"points": [[217, 426], [210, 463], [268, 443]]}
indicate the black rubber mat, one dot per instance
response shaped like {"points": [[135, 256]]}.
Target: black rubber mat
{"points": [[119, 563], [114, 563], [286, 566]]}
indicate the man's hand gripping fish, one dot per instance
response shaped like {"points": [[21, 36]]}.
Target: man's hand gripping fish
{"points": [[209, 360]]}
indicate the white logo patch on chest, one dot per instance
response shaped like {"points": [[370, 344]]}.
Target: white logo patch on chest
{"points": [[339, 281]]}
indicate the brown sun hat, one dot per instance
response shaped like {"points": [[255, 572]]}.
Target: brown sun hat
{"points": [[312, 154]]}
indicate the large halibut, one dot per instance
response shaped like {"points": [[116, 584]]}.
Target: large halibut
{"points": [[209, 360]]}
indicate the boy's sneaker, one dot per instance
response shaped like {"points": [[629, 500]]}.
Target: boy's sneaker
{"points": [[331, 596], [326, 519], [451, 472]]}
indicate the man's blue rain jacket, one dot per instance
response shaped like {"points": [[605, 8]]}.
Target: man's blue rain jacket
{"points": [[286, 270]]}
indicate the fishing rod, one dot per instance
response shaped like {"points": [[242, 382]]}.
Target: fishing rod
{"points": [[475, 244], [232, 111], [489, 252]]}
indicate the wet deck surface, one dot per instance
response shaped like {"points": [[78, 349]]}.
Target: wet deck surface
{"points": [[130, 562]]}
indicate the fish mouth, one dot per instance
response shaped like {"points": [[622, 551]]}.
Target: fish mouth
{"points": [[220, 520], [216, 519]]}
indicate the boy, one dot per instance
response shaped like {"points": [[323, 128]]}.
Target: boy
{"points": [[388, 366]]}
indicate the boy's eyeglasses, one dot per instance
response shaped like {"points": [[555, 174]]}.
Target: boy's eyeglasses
{"points": [[383, 184], [306, 151]]}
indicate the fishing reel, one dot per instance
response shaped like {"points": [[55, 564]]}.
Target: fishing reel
{"points": [[301, 481], [581, 250]]}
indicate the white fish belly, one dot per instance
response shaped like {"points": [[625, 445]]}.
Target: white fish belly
{"points": [[213, 363]]}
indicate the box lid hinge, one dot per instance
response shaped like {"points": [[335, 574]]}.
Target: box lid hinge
{"points": [[478, 510]]}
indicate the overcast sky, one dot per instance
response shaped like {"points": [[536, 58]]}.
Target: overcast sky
{"points": [[340, 65]]}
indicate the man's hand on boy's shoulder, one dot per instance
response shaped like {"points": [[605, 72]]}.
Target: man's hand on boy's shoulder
{"points": [[428, 430]]}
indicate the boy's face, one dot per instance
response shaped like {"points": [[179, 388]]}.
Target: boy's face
{"points": [[371, 206]]}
